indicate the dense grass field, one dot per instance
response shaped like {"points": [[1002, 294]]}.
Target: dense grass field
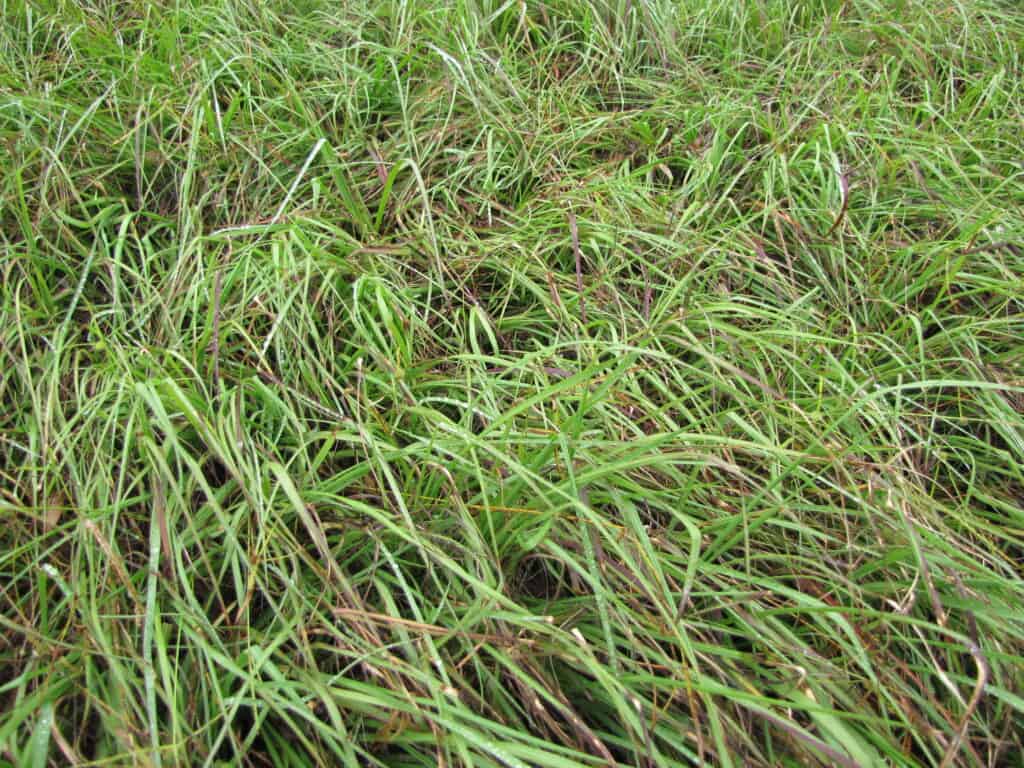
{"points": [[485, 383]]}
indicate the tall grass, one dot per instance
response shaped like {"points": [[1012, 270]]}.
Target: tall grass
{"points": [[512, 384]]}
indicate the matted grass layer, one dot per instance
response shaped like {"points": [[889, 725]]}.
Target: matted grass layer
{"points": [[512, 384]]}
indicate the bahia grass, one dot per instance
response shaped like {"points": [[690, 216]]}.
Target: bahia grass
{"points": [[512, 383]]}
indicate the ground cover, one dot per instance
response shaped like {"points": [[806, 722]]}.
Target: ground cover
{"points": [[511, 384]]}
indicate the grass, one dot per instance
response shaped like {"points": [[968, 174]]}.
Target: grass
{"points": [[512, 384]]}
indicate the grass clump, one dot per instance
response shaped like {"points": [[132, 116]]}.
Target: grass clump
{"points": [[511, 384]]}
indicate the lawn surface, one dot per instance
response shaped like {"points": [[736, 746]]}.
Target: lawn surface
{"points": [[512, 384]]}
